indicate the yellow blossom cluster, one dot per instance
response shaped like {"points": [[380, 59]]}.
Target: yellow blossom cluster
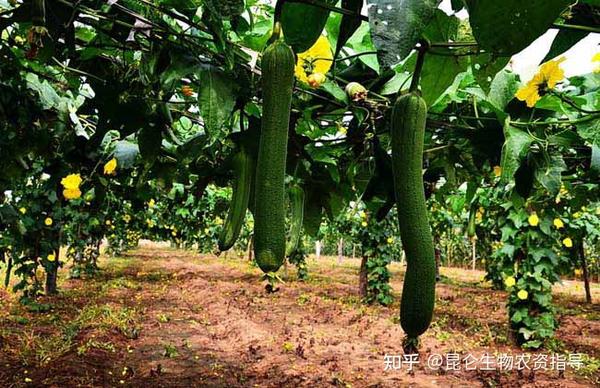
{"points": [[314, 63], [546, 78], [71, 185], [110, 167]]}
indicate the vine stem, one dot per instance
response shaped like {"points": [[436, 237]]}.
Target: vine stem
{"points": [[576, 28], [557, 122], [573, 105], [422, 49]]}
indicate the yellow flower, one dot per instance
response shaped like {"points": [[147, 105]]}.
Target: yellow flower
{"points": [[107, 222], [364, 223], [510, 281], [522, 294], [187, 90], [568, 242], [110, 167], [71, 193], [71, 184], [151, 203], [126, 218], [547, 77], [23, 210], [51, 258], [317, 59], [48, 221], [218, 221], [390, 240], [316, 79], [174, 233], [558, 223], [578, 272], [577, 215], [479, 215], [497, 171], [563, 191], [71, 181], [596, 58], [362, 214], [533, 220]]}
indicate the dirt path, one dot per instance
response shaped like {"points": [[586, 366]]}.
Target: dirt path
{"points": [[160, 317]]}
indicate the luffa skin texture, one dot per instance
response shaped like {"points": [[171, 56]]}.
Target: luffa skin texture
{"points": [[269, 215], [243, 167], [297, 218], [408, 130]]}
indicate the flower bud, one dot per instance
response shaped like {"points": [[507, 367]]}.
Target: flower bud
{"points": [[356, 91]]}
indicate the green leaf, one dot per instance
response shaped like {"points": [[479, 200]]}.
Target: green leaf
{"points": [[548, 173], [361, 42], [393, 85], [349, 23], [442, 27], [48, 97], [564, 40], [517, 317], [507, 27], [397, 25], [225, 9], [590, 131], [595, 163], [503, 89], [438, 74], [149, 141], [486, 66], [216, 98], [302, 24], [321, 154], [186, 7], [515, 147], [457, 5], [180, 65], [125, 153], [336, 91]]}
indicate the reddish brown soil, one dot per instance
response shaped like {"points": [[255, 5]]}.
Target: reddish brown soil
{"points": [[205, 321]]}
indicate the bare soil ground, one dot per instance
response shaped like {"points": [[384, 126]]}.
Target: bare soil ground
{"points": [[159, 317]]}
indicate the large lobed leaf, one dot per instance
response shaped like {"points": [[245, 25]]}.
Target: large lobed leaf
{"points": [[349, 23], [216, 98], [397, 25], [302, 24], [516, 147], [507, 27]]}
